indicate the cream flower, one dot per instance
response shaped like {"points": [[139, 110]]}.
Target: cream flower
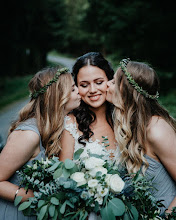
{"points": [[92, 183], [99, 199], [102, 192], [93, 162], [79, 178], [98, 169], [116, 183]]}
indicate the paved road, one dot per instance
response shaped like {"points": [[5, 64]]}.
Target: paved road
{"points": [[10, 113]]}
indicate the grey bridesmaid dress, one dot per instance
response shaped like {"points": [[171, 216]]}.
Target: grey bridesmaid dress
{"points": [[163, 183], [7, 209]]}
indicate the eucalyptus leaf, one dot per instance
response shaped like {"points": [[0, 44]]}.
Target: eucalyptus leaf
{"points": [[107, 214], [41, 203], [117, 206], [77, 154], [55, 215], [54, 201], [52, 210], [57, 173], [54, 166], [24, 205], [69, 164], [70, 204], [66, 172], [17, 200], [42, 212], [134, 213], [67, 185], [62, 209]]}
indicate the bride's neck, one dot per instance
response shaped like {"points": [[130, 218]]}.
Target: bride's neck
{"points": [[100, 113]]}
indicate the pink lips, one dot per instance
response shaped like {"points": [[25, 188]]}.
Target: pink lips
{"points": [[94, 98]]}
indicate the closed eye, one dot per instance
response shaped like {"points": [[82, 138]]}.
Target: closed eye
{"points": [[99, 83], [83, 85]]}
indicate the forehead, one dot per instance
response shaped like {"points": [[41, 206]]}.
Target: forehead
{"points": [[90, 73]]}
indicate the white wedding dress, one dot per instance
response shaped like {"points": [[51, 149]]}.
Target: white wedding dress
{"points": [[94, 147]]}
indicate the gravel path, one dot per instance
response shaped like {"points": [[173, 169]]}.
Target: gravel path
{"points": [[10, 113]]}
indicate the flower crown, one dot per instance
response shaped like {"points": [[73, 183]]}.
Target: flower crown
{"points": [[35, 94], [123, 65]]}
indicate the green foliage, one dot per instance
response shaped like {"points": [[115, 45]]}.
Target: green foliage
{"points": [[61, 197], [12, 89], [31, 29], [168, 101]]}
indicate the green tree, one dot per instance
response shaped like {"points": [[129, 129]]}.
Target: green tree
{"points": [[30, 30]]}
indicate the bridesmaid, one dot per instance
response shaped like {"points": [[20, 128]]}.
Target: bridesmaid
{"points": [[35, 134], [146, 133]]}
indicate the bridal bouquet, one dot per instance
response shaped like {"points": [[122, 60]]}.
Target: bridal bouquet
{"points": [[75, 188]]}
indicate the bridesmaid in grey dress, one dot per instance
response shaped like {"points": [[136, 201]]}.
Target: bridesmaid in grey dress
{"points": [[35, 134], [145, 131]]}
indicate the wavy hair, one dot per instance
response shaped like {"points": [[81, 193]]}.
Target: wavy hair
{"points": [[132, 113], [47, 108], [83, 114]]}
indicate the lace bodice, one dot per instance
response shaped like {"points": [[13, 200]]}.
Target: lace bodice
{"points": [[94, 147]]}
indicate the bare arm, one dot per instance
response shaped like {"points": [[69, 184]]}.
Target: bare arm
{"points": [[67, 140], [67, 143], [162, 141], [21, 146]]}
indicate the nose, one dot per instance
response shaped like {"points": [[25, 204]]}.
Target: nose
{"points": [[92, 88]]}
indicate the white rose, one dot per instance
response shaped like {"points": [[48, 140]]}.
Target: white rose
{"points": [[79, 178], [92, 183], [93, 162], [116, 183], [98, 169]]}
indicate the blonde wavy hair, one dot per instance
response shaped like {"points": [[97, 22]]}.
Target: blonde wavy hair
{"points": [[133, 112], [48, 108]]}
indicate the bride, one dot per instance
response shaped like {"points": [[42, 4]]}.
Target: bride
{"points": [[88, 125]]}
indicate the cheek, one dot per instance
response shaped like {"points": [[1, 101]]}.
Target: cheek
{"points": [[81, 91], [104, 87]]}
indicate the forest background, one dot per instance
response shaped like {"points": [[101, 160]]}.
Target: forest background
{"points": [[30, 30]]}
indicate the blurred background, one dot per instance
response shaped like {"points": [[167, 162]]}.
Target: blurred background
{"points": [[31, 31]]}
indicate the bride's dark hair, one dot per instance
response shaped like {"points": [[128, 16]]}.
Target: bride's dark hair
{"points": [[83, 114]]}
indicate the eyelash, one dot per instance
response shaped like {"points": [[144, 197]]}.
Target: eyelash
{"points": [[98, 83]]}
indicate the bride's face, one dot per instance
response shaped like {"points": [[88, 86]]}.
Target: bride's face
{"points": [[92, 85], [110, 96]]}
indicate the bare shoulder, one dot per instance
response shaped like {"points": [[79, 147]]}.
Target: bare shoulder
{"points": [[159, 130], [21, 135]]}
